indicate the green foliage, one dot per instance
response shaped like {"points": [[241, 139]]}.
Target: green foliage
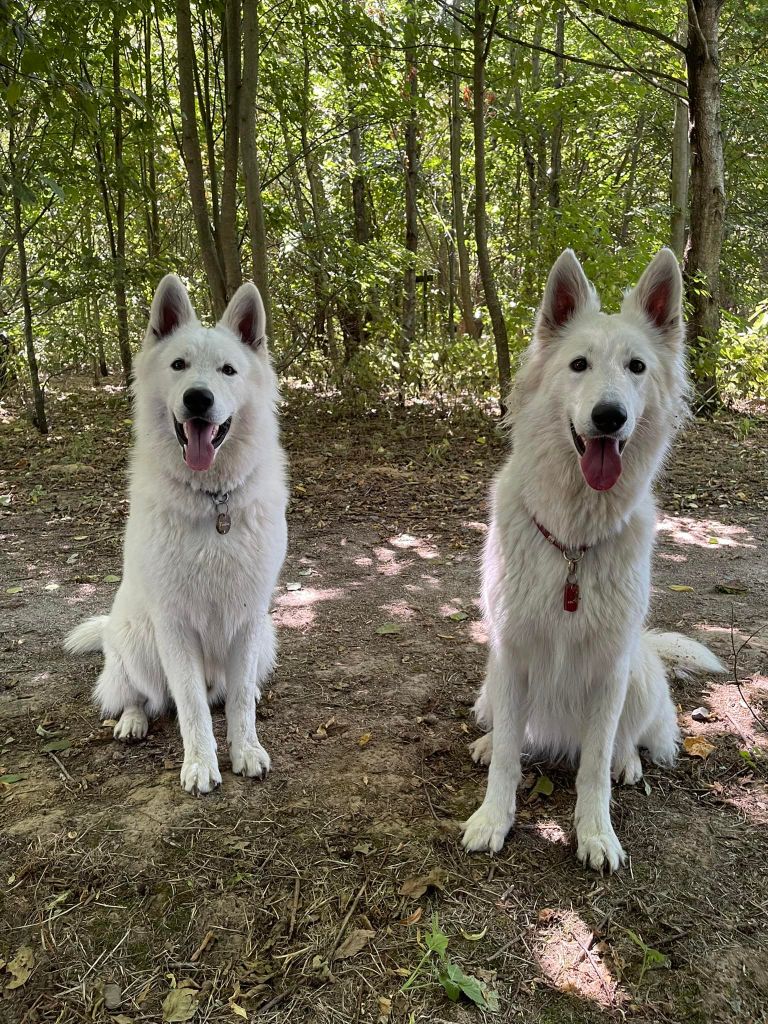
{"points": [[324, 70], [455, 982]]}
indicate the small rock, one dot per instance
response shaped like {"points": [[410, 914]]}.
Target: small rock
{"points": [[113, 997], [701, 715]]}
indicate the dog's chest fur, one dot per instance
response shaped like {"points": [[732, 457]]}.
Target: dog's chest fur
{"points": [[524, 585]]}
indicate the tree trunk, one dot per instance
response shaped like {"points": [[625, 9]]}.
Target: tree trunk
{"points": [[38, 398], [408, 318], [702, 256], [481, 227], [230, 40], [121, 302], [193, 160], [681, 162], [555, 166], [457, 192], [153, 216], [251, 170], [629, 191]]}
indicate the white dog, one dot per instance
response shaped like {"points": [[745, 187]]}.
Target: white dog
{"points": [[205, 539], [566, 572]]}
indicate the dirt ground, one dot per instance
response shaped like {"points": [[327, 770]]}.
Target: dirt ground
{"points": [[297, 899]]}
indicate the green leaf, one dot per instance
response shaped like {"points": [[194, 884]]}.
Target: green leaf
{"points": [[436, 939], [13, 93], [14, 590], [544, 787], [458, 616], [388, 628], [11, 780], [455, 982], [111, 579], [63, 744], [474, 936]]}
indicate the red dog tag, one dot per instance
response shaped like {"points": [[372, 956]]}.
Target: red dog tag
{"points": [[571, 597]]}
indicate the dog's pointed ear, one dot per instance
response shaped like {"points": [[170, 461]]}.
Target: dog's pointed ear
{"points": [[568, 292], [245, 316], [658, 295], [171, 308]]}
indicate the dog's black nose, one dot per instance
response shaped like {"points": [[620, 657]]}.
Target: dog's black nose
{"points": [[608, 417], [198, 400]]}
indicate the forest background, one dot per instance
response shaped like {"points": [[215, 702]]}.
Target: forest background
{"points": [[397, 177]]}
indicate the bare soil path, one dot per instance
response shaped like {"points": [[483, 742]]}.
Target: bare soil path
{"points": [[118, 887]]}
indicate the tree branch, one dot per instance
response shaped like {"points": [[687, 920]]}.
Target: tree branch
{"points": [[627, 23]]}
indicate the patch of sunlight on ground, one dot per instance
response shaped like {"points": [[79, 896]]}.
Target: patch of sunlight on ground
{"points": [[570, 958], [702, 532], [295, 609]]}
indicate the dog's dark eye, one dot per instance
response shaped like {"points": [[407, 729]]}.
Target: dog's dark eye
{"points": [[178, 364], [579, 365], [228, 370], [636, 366]]}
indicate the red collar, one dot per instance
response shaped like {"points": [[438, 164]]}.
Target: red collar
{"points": [[556, 543]]}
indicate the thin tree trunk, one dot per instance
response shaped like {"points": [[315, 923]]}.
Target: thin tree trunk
{"points": [[251, 170], [629, 191], [38, 398], [681, 162], [230, 38], [121, 302], [555, 167], [408, 319], [702, 256], [481, 226], [153, 219], [457, 192], [193, 160]]}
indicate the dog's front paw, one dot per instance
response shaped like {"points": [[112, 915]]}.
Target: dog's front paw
{"points": [[132, 725], [481, 750], [601, 851], [200, 773], [486, 830], [250, 759]]}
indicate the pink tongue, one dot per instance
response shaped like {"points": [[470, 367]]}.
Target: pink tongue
{"points": [[199, 450], [601, 463]]}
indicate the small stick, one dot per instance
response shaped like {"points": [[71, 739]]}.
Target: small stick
{"points": [[295, 907], [346, 920], [58, 762], [207, 940]]}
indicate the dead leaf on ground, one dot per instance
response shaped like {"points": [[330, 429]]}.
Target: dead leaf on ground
{"points": [[415, 887], [364, 740], [21, 967], [414, 917], [697, 746], [357, 940], [179, 1005]]}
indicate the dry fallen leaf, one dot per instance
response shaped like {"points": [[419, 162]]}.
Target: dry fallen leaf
{"points": [[414, 917], [356, 940], [179, 1005], [21, 967], [415, 887], [364, 740], [697, 746], [680, 588]]}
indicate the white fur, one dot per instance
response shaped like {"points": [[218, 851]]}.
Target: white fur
{"points": [[190, 622], [588, 683]]}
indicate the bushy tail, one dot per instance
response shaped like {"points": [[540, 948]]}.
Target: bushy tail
{"points": [[684, 653], [88, 636]]}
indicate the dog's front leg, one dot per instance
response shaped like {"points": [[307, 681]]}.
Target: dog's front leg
{"points": [[252, 650], [508, 686], [598, 845], [182, 662]]}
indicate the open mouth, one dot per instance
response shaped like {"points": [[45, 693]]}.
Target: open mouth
{"points": [[199, 440], [599, 459]]}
